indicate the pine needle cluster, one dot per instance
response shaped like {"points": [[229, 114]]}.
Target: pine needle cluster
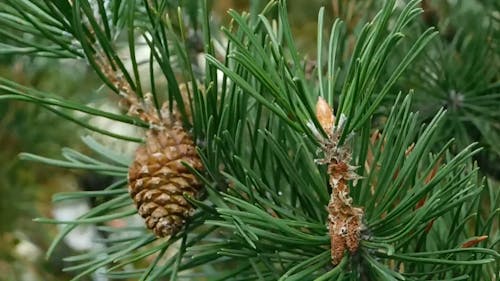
{"points": [[293, 189]]}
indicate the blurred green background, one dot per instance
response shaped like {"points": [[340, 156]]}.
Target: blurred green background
{"points": [[26, 188]]}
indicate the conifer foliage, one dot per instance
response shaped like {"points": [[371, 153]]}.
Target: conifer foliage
{"points": [[251, 168]]}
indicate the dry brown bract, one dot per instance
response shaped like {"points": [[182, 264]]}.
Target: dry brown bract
{"points": [[344, 220]]}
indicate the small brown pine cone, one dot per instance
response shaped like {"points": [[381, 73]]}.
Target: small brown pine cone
{"points": [[158, 180]]}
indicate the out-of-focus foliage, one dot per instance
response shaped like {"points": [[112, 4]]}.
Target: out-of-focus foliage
{"points": [[26, 188], [460, 72]]}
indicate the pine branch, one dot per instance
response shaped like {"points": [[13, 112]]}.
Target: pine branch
{"points": [[258, 136]]}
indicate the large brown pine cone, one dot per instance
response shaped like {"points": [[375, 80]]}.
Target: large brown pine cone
{"points": [[158, 180]]}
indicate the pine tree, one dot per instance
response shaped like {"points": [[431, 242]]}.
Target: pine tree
{"points": [[253, 168]]}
